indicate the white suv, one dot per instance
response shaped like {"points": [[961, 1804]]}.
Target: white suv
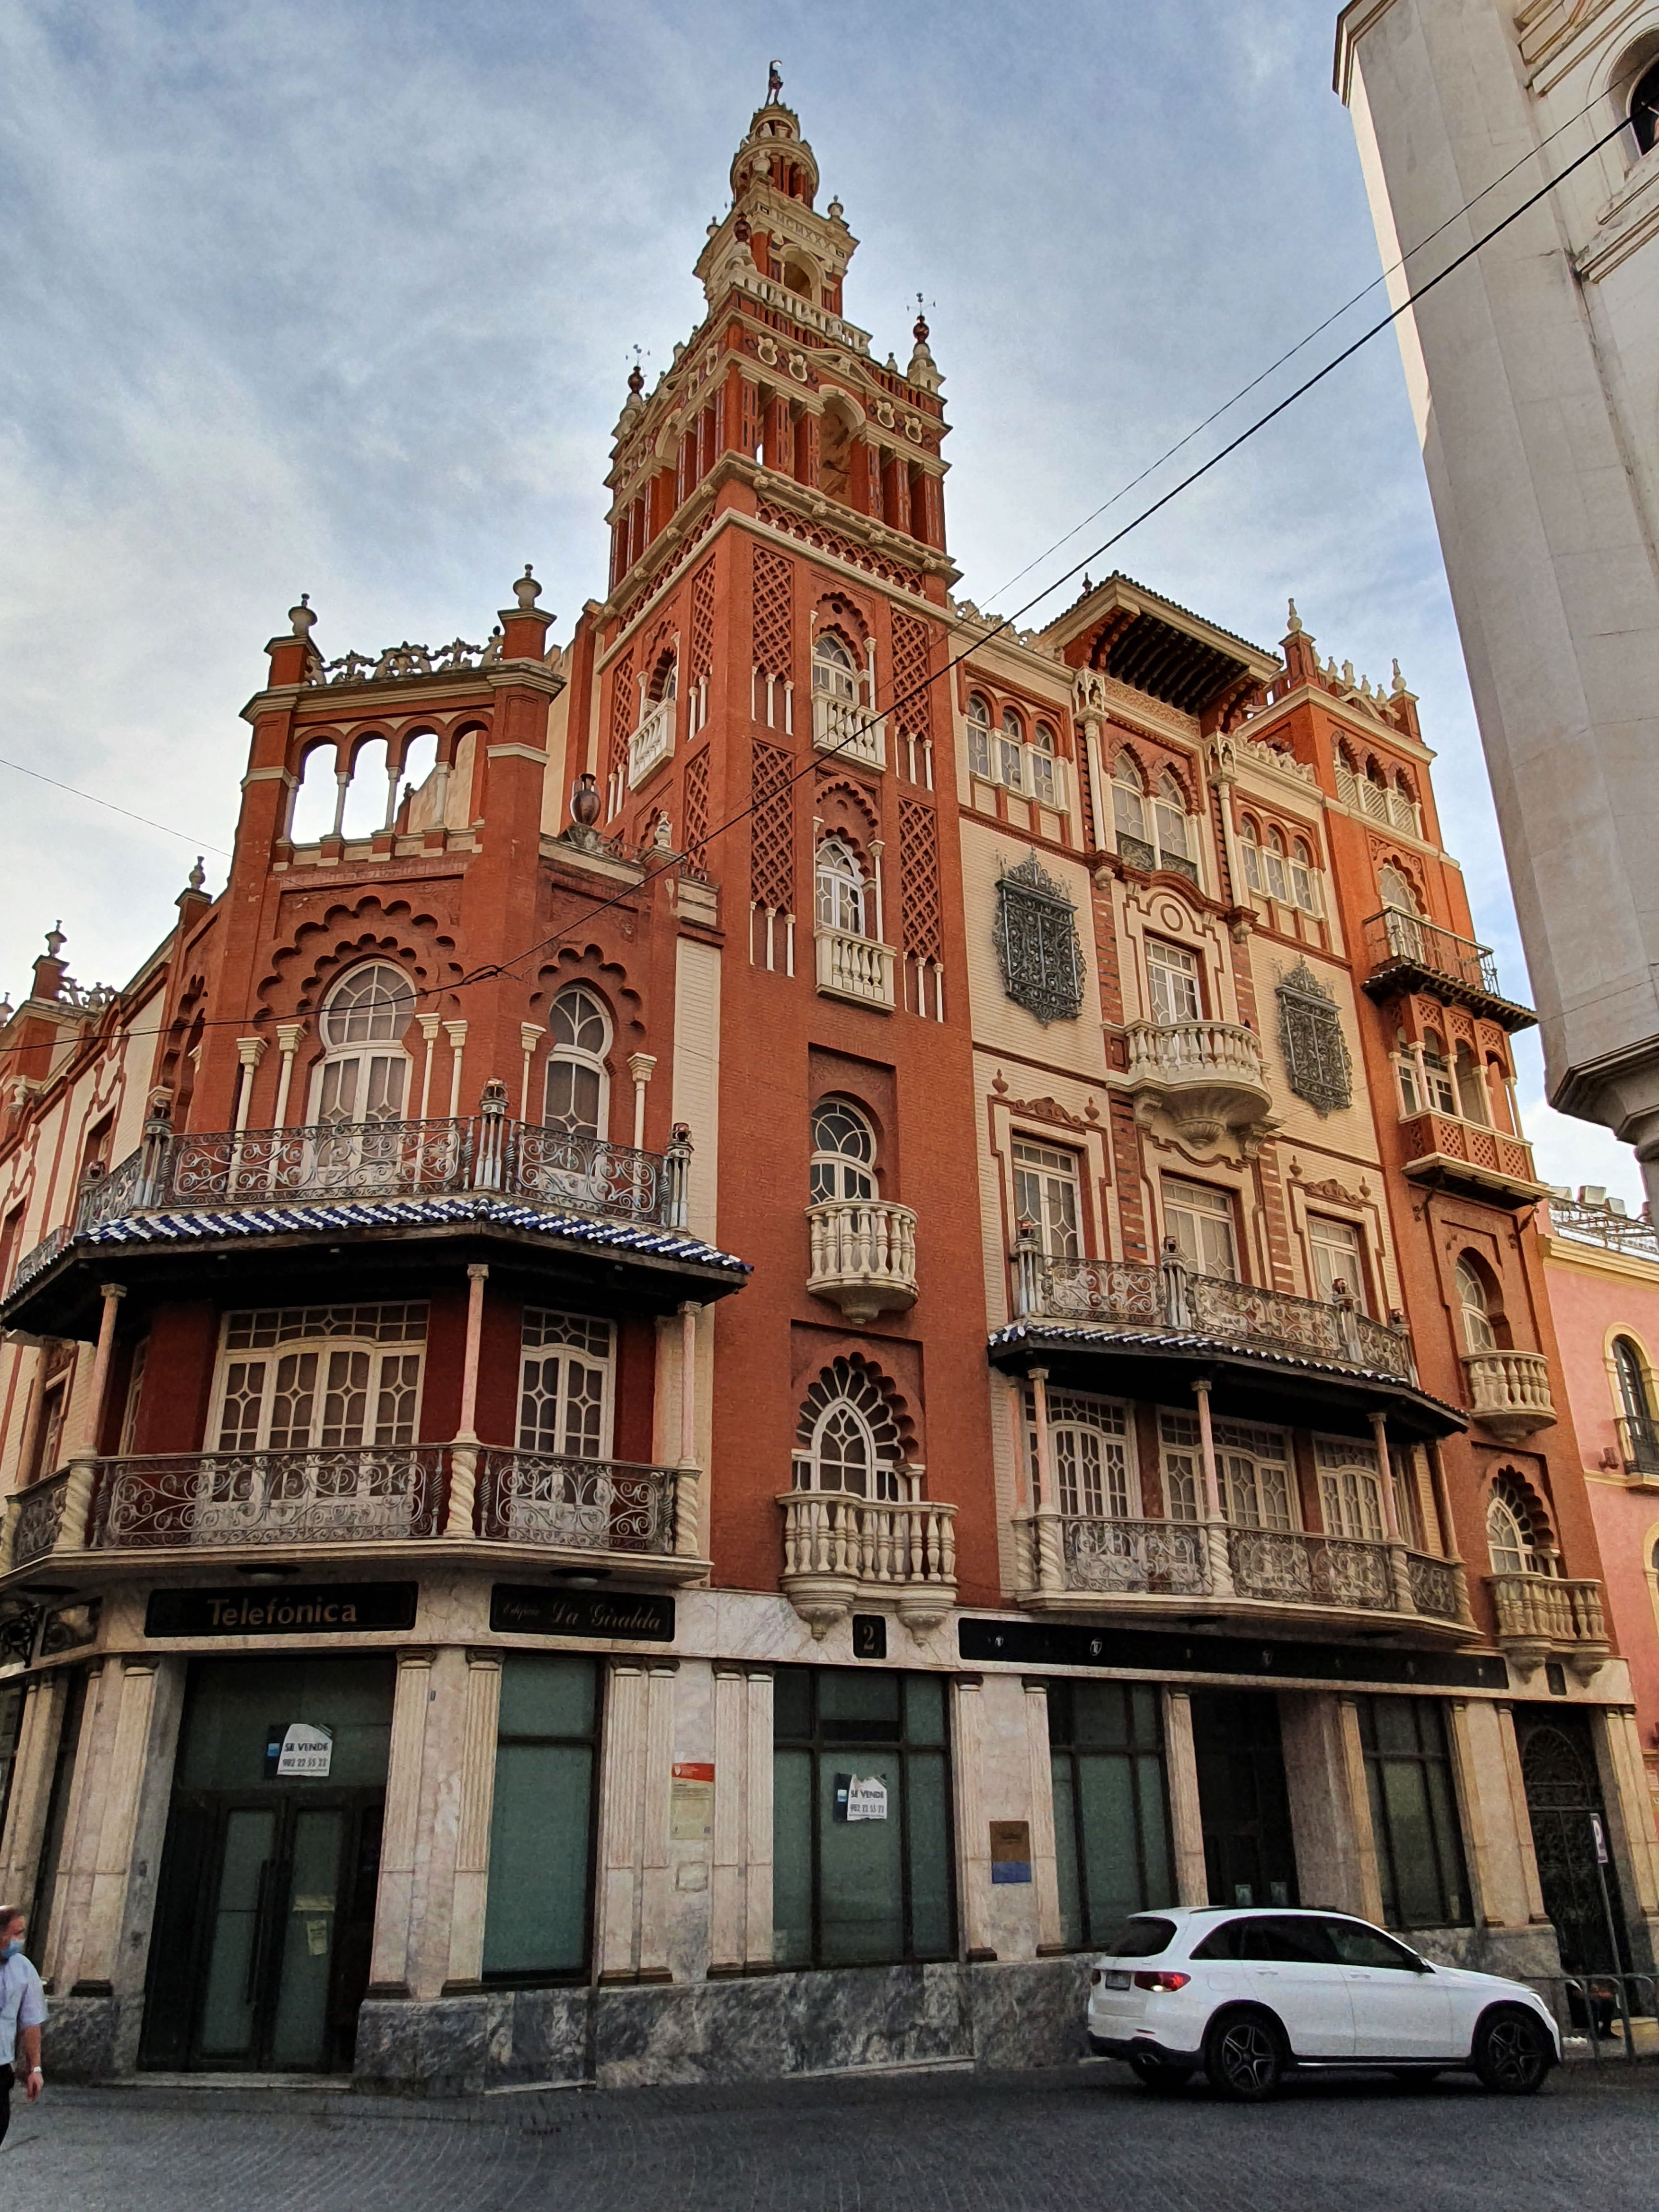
{"points": [[1247, 1994]]}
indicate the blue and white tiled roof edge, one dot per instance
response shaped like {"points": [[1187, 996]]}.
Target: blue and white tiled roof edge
{"points": [[1178, 1340], [401, 1213]]}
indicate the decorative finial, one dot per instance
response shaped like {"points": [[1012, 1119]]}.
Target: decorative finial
{"points": [[526, 591], [1088, 586], [302, 616], [774, 84], [920, 331], [1293, 628], [56, 939], [835, 210], [663, 836], [1398, 680], [197, 877], [636, 378]]}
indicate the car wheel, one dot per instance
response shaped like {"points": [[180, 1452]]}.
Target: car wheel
{"points": [[1245, 2057], [1512, 2052], [1159, 2076]]}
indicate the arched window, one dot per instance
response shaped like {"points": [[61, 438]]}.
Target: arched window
{"points": [[1249, 847], [1010, 748], [364, 1072], [664, 680], [1627, 1366], [1474, 1304], [578, 1086], [1396, 888], [1517, 1537], [1129, 812], [1094, 1470], [847, 1438], [1473, 1103], [1347, 783], [1644, 109], [1441, 1099], [843, 1152], [1304, 887], [1044, 783], [1174, 837], [840, 888], [834, 671], [979, 736], [1278, 884]]}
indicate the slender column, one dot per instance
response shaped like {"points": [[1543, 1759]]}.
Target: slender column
{"points": [[1399, 1566], [688, 1476], [463, 1452], [429, 1026], [972, 1840], [83, 1455], [758, 1940], [479, 1724], [877, 849], [1186, 1813], [530, 1035], [32, 1418], [1045, 1870], [656, 1877], [640, 1067], [1221, 1565], [250, 1051], [343, 784], [394, 1901], [1050, 1568], [288, 1043], [456, 1032]]}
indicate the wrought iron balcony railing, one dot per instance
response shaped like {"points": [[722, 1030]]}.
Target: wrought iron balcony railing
{"points": [[330, 1162], [1402, 950], [565, 1503], [1638, 1443], [353, 1494], [1123, 1294], [38, 1519], [1065, 1557]]}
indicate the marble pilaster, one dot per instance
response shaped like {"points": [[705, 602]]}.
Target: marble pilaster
{"points": [[1330, 1809], [1192, 1877], [482, 1696], [45, 1697], [389, 1968], [1045, 1864]]}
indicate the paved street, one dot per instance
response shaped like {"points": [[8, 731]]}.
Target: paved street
{"points": [[936, 2142]]}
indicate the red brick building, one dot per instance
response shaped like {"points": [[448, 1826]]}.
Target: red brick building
{"points": [[780, 1307]]}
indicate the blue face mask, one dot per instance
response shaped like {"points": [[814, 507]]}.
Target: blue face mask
{"points": [[10, 1950]]}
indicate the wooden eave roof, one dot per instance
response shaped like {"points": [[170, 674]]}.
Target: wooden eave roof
{"points": [[1156, 647]]}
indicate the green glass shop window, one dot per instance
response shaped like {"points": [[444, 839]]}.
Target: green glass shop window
{"points": [[1111, 1805], [1414, 1823], [541, 1832], [862, 1870]]}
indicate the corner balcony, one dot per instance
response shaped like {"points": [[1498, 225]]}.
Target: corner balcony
{"points": [[840, 1551], [1074, 1564], [1444, 1150], [855, 968], [1206, 1077], [266, 1197], [651, 743], [1547, 1616], [212, 1508], [850, 731], [863, 1256], [1510, 1393], [1638, 1446], [1404, 953]]}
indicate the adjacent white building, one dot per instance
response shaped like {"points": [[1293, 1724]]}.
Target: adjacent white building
{"points": [[1534, 377]]}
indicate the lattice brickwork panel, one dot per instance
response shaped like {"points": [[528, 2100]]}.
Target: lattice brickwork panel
{"points": [[774, 629], [919, 881], [622, 712], [702, 621], [912, 694], [772, 834], [697, 806]]}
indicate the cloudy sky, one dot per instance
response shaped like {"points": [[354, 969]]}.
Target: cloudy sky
{"points": [[341, 298]]}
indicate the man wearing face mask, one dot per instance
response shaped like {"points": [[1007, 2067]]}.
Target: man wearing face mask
{"points": [[22, 2013]]}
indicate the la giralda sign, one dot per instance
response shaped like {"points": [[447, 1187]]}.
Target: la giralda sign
{"points": [[295, 1609]]}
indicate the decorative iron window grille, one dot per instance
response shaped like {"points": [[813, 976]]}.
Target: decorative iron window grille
{"points": [[1037, 942], [1316, 1063]]}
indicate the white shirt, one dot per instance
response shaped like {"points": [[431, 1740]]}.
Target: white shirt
{"points": [[22, 2003]]}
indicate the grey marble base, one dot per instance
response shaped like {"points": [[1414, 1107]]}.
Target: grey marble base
{"points": [[759, 2028], [81, 2039]]}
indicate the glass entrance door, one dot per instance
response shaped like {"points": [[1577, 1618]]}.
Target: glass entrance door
{"points": [[1250, 1856], [265, 1911]]}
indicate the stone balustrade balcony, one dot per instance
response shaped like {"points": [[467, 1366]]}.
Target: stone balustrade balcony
{"points": [[1510, 1392], [651, 743], [1550, 1616], [852, 732], [1070, 1563], [855, 968], [840, 1550], [863, 1255], [1206, 1077]]}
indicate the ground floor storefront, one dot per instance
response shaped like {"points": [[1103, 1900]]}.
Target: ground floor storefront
{"points": [[453, 1833]]}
